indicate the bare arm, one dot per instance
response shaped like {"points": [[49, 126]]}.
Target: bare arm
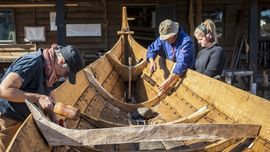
{"points": [[168, 82], [10, 90], [153, 65]]}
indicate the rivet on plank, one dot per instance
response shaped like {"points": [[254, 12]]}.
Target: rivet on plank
{"points": [[116, 118], [166, 103], [208, 119]]}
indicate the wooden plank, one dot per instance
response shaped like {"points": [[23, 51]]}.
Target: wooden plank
{"points": [[258, 144], [166, 112], [149, 146], [111, 112], [57, 135], [194, 117], [101, 123], [220, 145], [118, 90], [215, 116], [172, 144], [145, 91], [138, 50], [96, 107], [10, 52], [17, 47], [192, 98], [28, 137], [83, 124], [237, 104], [101, 69], [69, 94], [180, 105], [85, 99], [111, 81]]}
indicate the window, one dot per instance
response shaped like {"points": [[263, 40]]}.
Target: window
{"points": [[265, 22], [7, 26], [143, 23], [218, 18]]}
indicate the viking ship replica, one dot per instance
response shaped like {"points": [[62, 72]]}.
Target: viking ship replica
{"points": [[122, 110]]}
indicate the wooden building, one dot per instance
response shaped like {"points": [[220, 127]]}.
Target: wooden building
{"points": [[91, 25]]}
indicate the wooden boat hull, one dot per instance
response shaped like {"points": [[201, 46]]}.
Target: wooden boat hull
{"points": [[101, 94]]}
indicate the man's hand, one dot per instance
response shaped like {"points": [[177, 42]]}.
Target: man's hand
{"points": [[153, 65], [164, 86], [47, 103], [169, 82]]}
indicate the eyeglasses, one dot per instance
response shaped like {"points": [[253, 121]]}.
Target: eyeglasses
{"points": [[59, 54]]}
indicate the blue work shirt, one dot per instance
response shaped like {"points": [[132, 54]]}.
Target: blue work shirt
{"points": [[30, 68], [181, 51]]}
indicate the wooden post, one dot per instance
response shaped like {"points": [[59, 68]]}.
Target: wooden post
{"points": [[199, 12], [253, 37], [129, 77], [60, 22], [191, 19], [125, 27], [33, 5]]}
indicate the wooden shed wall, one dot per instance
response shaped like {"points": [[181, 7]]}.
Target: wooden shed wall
{"points": [[89, 12], [108, 13]]}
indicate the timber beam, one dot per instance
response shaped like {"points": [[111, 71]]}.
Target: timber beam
{"points": [[57, 135]]}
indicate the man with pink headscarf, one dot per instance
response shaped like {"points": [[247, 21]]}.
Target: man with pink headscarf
{"points": [[32, 77]]}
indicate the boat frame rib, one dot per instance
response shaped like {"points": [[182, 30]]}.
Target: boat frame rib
{"points": [[194, 117], [123, 70], [124, 106]]}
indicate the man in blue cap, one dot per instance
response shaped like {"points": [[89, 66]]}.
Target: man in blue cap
{"points": [[32, 77], [175, 45]]}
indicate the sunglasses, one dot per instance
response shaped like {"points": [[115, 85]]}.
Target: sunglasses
{"points": [[59, 54]]}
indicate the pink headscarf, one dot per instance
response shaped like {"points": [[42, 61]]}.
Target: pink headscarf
{"points": [[50, 72]]}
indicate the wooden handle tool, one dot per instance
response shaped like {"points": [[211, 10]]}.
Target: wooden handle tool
{"points": [[66, 111]]}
